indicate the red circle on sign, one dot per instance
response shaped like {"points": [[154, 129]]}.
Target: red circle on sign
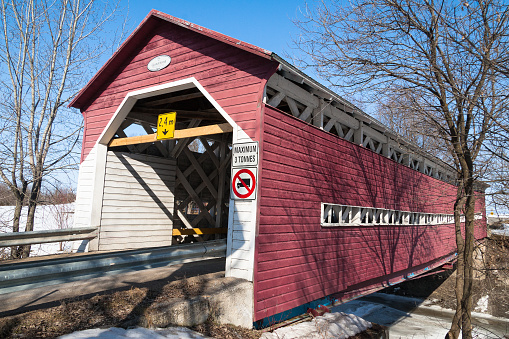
{"points": [[249, 190]]}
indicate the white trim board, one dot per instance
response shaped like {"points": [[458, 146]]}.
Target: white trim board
{"points": [[130, 100]]}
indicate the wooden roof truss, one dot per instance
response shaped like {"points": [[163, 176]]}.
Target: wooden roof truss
{"points": [[294, 93]]}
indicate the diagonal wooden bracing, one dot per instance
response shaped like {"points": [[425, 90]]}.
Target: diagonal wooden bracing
{"points": [[292, 94], [204, 178], [203, 155]]}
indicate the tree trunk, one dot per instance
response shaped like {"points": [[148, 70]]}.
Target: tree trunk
{"points": [[15, 253], [20, 195], [466, 302], [32, 204], [460, 244]]}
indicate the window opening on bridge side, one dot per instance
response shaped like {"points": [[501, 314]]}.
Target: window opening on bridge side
{"points": [[343, 215]]}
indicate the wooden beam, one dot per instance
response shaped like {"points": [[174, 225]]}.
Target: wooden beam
{"points": [[221, 189], [201, 172], [306, 113], [342, 117], [187, 186], [179, 134], [158, 144], [276, 99], [142, 139], [210, 151], [292, 90], [177, 149], [293, 107], [132, 148], [202, 186], [172, 99], [199, 231]]}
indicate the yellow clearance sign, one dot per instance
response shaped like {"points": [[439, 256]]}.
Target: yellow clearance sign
{"points": [[166, 125]]}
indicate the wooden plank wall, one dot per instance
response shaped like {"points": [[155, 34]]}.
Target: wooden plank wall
{"points": [[83, 204], [298, 261], [240, 251], [241, 243], [235, 78], [138, 201]]}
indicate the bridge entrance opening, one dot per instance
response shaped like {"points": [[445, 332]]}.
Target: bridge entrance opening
{"points": [[166, 192]]}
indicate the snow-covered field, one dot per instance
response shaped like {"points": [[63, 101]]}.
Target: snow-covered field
{"points": [[47, 217]]}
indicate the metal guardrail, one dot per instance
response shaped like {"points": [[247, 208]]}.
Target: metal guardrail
{"points": [[33, 274], [41, 237]]}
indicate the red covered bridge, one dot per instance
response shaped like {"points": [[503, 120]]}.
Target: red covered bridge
{"points": [[315, 198]]}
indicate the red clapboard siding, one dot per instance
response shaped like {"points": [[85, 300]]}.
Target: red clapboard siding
{"points": [[234, 77], [298, 261]]}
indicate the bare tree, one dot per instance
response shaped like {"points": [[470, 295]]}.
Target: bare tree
{"points": [[60, 202], [48, 49], [498, 148], [398, 111], [454, 54]]}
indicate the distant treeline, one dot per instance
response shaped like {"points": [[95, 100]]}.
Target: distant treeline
{"points": [[54, 196]]}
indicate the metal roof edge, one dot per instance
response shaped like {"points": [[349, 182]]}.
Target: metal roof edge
{"points": [[214, 34]]}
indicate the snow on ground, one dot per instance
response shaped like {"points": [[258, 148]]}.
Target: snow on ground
{"points": [[402, 324], [482, 304], [504, 231], [331, 325], [47, 217], [138, 333], [415, 318], [405, 317]]}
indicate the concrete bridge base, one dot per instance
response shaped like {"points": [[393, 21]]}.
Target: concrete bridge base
{"points": [[225, 300]]}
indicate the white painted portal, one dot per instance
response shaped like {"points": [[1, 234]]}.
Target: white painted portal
{"points": [[92, 190]]}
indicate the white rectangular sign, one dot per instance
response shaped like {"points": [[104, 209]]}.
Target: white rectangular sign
{"points": [[245, 154]]}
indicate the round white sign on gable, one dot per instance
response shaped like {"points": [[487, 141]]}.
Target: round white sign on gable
{"points": [[158, 63]]}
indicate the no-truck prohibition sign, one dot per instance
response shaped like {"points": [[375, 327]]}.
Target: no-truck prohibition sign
{"points": [[244, 183]]}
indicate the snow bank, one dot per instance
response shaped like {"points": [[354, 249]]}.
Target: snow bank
{"points": [[138, 333], [371, 311], [482, 304], [330, 325], [415, 318], [47, 217], [504, 231]]}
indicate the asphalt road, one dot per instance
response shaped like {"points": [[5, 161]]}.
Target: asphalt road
{"points": [[23, 301]]}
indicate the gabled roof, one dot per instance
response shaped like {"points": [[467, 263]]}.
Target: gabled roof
{"points": [[155, 18], [140, 33]]}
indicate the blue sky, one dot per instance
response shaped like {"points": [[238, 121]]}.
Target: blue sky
{"points": [[267, 24]]}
